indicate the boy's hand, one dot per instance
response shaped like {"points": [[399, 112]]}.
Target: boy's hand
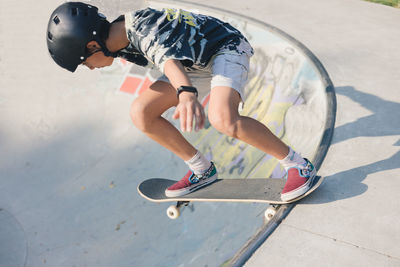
{"points": [[187, 109]]}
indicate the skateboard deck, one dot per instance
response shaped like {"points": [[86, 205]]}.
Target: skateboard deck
{"points": [[224, 190]]}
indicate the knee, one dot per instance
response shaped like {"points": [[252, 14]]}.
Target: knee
{"points": [[139, 115], [224, 124]]}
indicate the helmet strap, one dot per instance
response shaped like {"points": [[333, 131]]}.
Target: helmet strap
{"points": [[105, 50]]}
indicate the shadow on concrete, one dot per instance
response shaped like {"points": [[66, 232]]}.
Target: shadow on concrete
{"points": [[350, 182], [381, 123]]}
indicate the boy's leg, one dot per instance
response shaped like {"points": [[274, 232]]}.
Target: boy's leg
{"points": [[224, 116], [146, 114]]}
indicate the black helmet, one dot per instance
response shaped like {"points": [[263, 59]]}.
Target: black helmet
{"points": [[71, 26]]}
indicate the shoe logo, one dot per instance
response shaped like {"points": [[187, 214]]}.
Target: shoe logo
{"points": [[193, 179]]}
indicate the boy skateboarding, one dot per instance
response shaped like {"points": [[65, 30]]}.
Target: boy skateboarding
{"points": [[181, 45]]}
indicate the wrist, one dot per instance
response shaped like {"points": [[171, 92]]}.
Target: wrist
{"points": [[187, 96]]}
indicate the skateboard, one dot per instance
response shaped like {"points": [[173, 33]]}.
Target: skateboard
{"points": [[260, 190]]}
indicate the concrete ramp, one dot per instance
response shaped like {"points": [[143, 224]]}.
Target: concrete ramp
{"points": [[71, 159]]}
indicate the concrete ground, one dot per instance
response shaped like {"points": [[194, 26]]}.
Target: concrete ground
{"points": [[352, 220]]}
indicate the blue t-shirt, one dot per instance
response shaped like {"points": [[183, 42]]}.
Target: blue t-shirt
{"points": [[159, 35]]}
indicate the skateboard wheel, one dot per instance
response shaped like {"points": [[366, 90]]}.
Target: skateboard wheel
{"points": [[270, 213], [173, 212]]}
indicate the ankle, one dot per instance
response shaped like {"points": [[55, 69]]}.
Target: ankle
{"points": [[198, 163], [293, 159]]}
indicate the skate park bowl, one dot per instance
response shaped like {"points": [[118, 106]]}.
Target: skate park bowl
{"points": [[71, 158]]}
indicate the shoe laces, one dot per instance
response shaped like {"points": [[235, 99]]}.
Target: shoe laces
{"points": [[205, 174]]}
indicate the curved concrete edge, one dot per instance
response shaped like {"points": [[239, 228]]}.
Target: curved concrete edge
{"points": [[259, 237], [241, 257]]}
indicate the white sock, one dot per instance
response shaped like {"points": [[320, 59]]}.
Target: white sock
{"points": [[292, 159], [198, 164]]}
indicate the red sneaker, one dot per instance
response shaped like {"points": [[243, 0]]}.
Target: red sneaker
{"points": [[299, 181], [192, 182]]}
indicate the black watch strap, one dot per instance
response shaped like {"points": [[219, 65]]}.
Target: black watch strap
{"points": [[187, 89]]}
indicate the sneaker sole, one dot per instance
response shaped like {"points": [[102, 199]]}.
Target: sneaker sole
{"points": [[297, 192], [187, 190]]}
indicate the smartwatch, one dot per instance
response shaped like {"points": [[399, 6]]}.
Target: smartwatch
{"points": [[187, 89]]}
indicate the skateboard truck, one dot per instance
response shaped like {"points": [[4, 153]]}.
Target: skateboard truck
{"points": [[174, 211], [270, 212]]}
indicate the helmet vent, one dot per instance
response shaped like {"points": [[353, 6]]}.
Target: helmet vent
{"points": [[56, 20], [74, 11], [49, 36]]}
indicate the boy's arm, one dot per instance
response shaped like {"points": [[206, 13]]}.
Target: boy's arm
{"points": [[176, 74], [188, 106]]}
